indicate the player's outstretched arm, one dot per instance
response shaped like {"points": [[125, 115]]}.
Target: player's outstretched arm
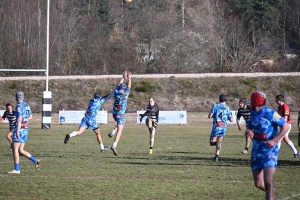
{"points": [[123, 78], [129, 75], [108, 96]]}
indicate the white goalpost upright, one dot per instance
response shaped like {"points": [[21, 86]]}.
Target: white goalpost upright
{"points": [[47, 96]]}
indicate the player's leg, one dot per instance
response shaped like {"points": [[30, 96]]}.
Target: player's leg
{"points": [[80, 130], [83, 125], [9, 138], [258, 177], [152, 135], [218, 146], [269, 174], [98, 135], [279, 141], [245, 151], [99, 139], [16, 157], [149, 123], [35, 161], [119, 133], [120, 125], [287, 140], [213, 139], [113, 132], [213, 142]]}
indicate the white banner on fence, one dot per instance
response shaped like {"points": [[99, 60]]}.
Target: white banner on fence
{"points": [[1, 114], [167, 117], [75, 116], [234, 113]]}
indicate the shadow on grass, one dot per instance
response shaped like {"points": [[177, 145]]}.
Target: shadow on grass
{"points": [[286, 163], [184, 161]]}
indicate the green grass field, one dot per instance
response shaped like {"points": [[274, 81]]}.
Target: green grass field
{"points": [[181, 166]]}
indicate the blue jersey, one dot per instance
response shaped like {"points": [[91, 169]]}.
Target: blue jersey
{"points": [[264, 124], [24, 110], [28, 112], [95, 105], [221, 112], [120, 102]]}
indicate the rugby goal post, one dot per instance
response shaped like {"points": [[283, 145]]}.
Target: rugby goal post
{"points": [[47, 96]]}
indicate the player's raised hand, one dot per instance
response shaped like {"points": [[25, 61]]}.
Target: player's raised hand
{"points": [[129, 75], [125, 75]]}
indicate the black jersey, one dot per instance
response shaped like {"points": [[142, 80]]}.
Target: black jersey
{"points": [[11, 118], [244, 112], [152, 112]]}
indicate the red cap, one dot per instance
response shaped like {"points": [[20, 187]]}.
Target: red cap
{"points": [[258, 98]]}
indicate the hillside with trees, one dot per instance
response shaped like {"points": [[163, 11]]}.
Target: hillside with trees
{"points": [[149, 36]]}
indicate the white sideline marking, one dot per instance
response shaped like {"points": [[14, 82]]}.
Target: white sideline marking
{"points": [[294, 195]]}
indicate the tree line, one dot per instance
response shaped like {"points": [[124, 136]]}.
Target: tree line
{"points": [[149, 36]]}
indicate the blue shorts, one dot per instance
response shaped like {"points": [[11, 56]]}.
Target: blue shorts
{"points": [[264, 162], [119, 118], [218, 132], [89, 122], [23, 133]]}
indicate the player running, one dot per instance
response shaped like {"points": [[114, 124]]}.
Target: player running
{"points": [[284, 111], [263, 129], [11, 117], [243, 111], [152, 114], [220, 113], [20, 134]]}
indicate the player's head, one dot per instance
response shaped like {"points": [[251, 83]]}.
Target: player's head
{"points": [[151, 101], [258, 98], [222, 98], [242, 102], [279, 99], [8, 106], [122, 86], [97, 95], [19, 96]]}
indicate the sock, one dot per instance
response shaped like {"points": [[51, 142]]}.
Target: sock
{"points": [[279, 145], [73, 134], [32, 159], [151, 147], [115, 144], [216, 156], [113, 132], [101, 146], [246, 148], [17, 167], [292, 147]]}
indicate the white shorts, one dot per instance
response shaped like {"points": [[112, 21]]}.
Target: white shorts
{"points": [[288, 132]]}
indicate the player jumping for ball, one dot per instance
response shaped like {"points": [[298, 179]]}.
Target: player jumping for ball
{"points": [[89, 119], [121, 95]]}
